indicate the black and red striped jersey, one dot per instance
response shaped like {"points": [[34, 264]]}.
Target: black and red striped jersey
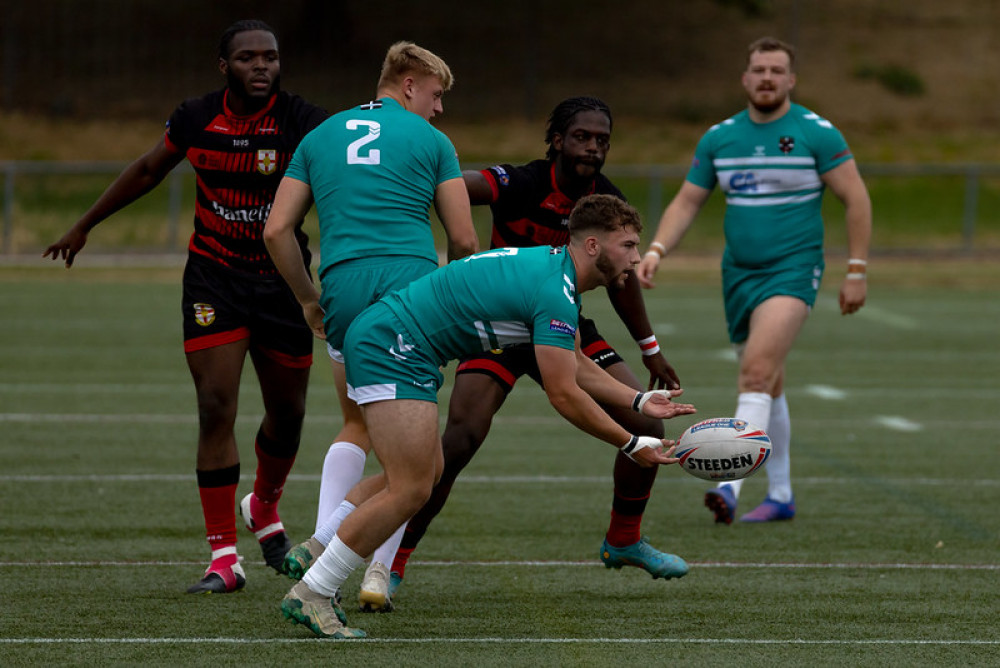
{"points": [[239, 161], [528, 207]]}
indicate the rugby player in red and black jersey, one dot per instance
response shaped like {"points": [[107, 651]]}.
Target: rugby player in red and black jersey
{"points": [[531, 205], [239, 141]]}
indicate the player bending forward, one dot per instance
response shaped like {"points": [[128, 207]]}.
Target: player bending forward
{"points": [[395, 348]]}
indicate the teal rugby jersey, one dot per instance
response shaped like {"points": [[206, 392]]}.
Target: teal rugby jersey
{"points": [[770, 174], [373, 171], [493, 299]]}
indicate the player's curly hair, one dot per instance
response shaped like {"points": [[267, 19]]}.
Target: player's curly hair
{"points": [[226, 41], [566, 111], [602, 212]]}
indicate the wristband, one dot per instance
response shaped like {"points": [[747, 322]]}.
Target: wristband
{"points": [[648, 346], [856, 276], [863, 263], [637, 403], [658, 248], [654, 253]]}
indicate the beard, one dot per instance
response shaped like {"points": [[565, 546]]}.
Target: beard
{"points": [[607, 269], [768, 107]]}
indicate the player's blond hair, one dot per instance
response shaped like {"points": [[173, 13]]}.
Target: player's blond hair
{"points": [[405, 58]]}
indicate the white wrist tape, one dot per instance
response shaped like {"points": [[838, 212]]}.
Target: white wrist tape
{"points": [[642, 397], [637, 443]]}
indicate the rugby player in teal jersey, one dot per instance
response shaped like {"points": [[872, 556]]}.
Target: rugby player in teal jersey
{"points": [[773, 161], [373, 172], [394, 351]]}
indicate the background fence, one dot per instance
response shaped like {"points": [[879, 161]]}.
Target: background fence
{"points": [[918, 208]]}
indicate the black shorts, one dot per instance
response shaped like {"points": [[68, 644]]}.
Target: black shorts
{"points": [[507, 365], [221, 306]]}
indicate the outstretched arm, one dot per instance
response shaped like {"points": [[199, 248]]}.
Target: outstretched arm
{"points": [[451, 201], [845, 182], [291, 203], [631, 308], [141, 176], [676, 220]]}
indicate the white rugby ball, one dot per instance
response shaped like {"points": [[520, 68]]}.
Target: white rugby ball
{"points": [[721, 449]]}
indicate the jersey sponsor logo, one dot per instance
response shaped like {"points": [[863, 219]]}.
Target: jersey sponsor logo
{"points": [[786, 144], [204, 314], [267, 161], [256, 214], [561, 327]]}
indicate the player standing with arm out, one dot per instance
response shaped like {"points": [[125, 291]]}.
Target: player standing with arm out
{"points": [[373, 171], [395, 348], [239, 141], [773, 162]]}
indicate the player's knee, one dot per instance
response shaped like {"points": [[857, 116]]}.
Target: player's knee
{"points": [[462, 437]]}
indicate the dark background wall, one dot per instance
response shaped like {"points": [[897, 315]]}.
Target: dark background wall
{"points": [[871, 62]]}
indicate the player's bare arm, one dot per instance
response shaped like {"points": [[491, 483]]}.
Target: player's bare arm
{"points": [[631, 308], [558, 370], [676, 219], [291, 203], [845, 182], [451, 201], [137, 179], [478, 187]]}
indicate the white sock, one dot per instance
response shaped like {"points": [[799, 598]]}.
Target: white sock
{"points": [[386, 552], [332, 568], [325, 533], [779, 476], [755, 408], [342, 469]]}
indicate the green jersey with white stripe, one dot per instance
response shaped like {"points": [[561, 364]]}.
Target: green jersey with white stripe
{"points": [[770, 174], [491, 300]]}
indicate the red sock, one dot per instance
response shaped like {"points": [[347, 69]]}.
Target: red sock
{"points": [[624, 529], [271, 475], [399, 561], [218, 504]]}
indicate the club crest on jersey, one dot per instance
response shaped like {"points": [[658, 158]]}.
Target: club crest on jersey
{"points": [[204, 314], [267, 160], [786, 144]]}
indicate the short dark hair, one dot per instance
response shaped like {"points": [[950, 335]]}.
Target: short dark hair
{"points": [[566, 111], [602, 213], [226, 41], [765, 44]]}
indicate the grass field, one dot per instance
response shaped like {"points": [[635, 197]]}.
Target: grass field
{"points": [[892, 559]]}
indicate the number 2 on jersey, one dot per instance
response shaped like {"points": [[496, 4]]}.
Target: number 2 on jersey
{"points": [[372, 132]]}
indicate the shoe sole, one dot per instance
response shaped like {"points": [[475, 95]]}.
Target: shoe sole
{"points": [[717, 504], [369, 601]]}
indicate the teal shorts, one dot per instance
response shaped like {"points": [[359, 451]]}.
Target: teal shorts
{"points": [[745, 289], [352, 286], [385, 362]]}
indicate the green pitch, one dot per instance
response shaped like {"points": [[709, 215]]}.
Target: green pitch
{"points": [[892, 559]]}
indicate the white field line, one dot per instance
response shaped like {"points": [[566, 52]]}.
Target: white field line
{"points": [[547, 564], [485, 480], [506, 641]]}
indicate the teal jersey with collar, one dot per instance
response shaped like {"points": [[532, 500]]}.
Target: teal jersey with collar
{"points": [[770, 174], [373, 171], [491, 300]]}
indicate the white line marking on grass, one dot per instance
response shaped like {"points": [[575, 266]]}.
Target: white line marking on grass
{"points": [[826, 392], [898, 423], [500, 641], [884, 317], [545, 564], [489, 480]]}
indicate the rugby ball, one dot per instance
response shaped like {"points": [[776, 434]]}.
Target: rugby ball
{"points": [[721, 449]]}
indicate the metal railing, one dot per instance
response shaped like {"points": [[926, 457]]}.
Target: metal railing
{"points": [[654, 176]]}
